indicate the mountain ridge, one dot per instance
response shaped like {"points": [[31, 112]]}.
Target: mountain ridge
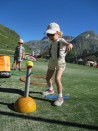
{"points": [[87, 40], [84, 44]]}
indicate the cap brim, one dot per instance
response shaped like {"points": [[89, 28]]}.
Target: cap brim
{"points": [[50, 31], [20, 42]]}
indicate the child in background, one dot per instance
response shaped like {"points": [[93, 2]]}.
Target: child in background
{"points": [[19, 53], [58, 48]]}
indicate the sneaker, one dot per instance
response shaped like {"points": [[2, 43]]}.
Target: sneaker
{"points": [[59, 101], [48, 92]]}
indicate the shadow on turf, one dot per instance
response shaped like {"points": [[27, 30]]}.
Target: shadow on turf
{"points": [[12, 90], [11, 106], [44, 99], [52, 121], [20, 92]]}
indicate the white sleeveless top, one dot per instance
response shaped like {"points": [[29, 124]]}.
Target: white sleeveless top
{"points": [[54, 47]]}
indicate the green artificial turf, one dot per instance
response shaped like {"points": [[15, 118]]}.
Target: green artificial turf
{"points": [[79, 113]]}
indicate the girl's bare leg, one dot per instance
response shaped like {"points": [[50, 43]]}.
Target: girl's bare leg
{"points": [[49, 76], [58, 76], [49, 83], [60, 99]]}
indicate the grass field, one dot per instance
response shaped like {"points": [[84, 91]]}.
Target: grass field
{"points": [[79, 113]]}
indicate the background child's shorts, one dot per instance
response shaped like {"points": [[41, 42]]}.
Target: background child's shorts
{"points": [[56, 64], [19, 58]]}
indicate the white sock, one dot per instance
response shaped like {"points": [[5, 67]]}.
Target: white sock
{"points": [[50, 88], [60, 95]]}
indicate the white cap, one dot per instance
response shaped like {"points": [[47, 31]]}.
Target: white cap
{"points": [[52, 28], [21, 41]]}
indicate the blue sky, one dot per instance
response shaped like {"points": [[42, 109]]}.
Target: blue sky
{"points": [[29, 18]]}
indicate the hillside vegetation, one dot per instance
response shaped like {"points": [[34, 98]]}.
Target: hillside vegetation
{"points": [[8, 40]]}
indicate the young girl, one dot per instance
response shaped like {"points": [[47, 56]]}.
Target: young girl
{"points": [[19, 52], [58, 49]]}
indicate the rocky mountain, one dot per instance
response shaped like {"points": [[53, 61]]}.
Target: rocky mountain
{"points": [[87, 42], [38, 46]]}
